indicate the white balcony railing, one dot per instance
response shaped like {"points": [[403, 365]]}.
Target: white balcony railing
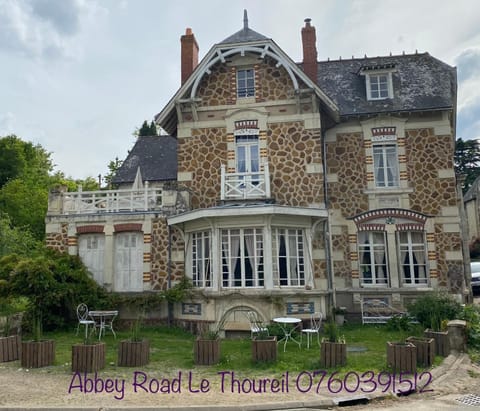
{"points": [[110, 201], [245, 186]]}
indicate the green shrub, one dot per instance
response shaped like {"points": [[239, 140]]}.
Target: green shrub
{"points": [[471, 314], [433, 309], [399, 323]]}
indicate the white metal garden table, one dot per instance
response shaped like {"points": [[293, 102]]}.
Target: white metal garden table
{"points": [[288, 324]]}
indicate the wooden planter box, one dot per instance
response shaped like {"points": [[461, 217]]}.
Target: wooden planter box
{"points": [[425, 350], [402, 357], [206, 352], [133, 353], [333, 354], [88, 357], [442, 345], [264, 350], [36, 354], [10, 348]]}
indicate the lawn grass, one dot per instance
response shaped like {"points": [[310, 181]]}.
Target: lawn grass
{"points": [[172, 351]]}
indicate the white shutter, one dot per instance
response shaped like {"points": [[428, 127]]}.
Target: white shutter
{"points": [[91, 251], [128, 262]]}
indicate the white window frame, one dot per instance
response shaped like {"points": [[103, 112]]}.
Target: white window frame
{"points": [[236, 258], [91, 250], [246, 84], [372, 247], [372, 80], [290, 272], [390, 172], [201, 259], [414, 252]]}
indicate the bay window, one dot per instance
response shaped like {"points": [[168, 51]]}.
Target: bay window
{"points": [[288, 257], [242, 257], [201, 261]]}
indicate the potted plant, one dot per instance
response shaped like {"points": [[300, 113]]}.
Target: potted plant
{"points": [[425, 350], [88, 356], [264, 347], [339, 313], [135, 351], [206, 349], [34, 279], [402, 356], [11, 314], [333, 349], [433, 311]]}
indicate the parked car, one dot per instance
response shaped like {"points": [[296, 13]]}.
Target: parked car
{"points": [[475, 276]]}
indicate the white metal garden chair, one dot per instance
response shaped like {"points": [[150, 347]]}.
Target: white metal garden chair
{"points": [[256, 325], [315, 323], [82, 315]]}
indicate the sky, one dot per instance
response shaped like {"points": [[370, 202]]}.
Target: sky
{"points": [[79, 77]]}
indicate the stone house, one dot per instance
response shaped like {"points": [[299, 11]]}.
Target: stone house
{"points": [[282, 187]]}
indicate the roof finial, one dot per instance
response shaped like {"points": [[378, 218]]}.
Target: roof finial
{"points": [[245, 19]]}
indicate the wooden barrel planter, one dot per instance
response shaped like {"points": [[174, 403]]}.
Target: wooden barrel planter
{"points": [[425, 350], [133, 353], [264, 350], [36, 354], [10, 348], [206, 352], [442, 344], [402, 357], [333, 354], [88, 357]]}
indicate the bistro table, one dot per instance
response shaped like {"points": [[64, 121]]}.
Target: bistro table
{"points": [[288, 325], [103, 320]]}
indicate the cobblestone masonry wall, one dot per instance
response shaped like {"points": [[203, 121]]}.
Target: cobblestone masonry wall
{"points": [[346, 159], [290, 149], [341, 269], [275, 83], [272, 83], [58, 241], [202, 155], [159, 271], [450, 273], [426, 154], [318, 243], [214, 88]]}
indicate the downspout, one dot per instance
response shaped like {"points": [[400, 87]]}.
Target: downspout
{"points": [[169, 276], [327, 228]]}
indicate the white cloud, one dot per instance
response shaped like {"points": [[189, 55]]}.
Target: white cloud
{"points": [[7, 124], [44, 28]]}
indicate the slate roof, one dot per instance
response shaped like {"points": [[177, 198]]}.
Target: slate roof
{"points": [[420, 83], [155, 155], [244, 35]]}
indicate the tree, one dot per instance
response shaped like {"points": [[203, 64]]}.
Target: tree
{"points": [[148, 130], [19, 158], [14, 240], [113, 167], [467, 161]]}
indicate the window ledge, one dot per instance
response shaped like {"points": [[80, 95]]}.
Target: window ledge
{"points": [[393, 190]]}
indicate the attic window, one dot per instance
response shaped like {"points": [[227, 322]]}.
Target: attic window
{"points": [[245, 83], [378, 81]]}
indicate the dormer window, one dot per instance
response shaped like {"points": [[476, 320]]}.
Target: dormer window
{"points": [[245, 83], [378, 81]]}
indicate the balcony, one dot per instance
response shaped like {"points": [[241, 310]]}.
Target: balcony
{"points": [[245, 186], [108, 201]]}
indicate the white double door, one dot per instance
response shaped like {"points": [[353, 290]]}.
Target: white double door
{"points": [[128, 262]]}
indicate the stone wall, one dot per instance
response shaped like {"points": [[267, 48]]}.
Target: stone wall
{"points": [[450, 273], [214, 88], [159, 268], [290, 148], [58, 241], [426, 155], [202, 155], [346, 160]]}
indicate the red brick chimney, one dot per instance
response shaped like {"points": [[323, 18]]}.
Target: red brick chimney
{"points": [[309, 40], [189, 51]]}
